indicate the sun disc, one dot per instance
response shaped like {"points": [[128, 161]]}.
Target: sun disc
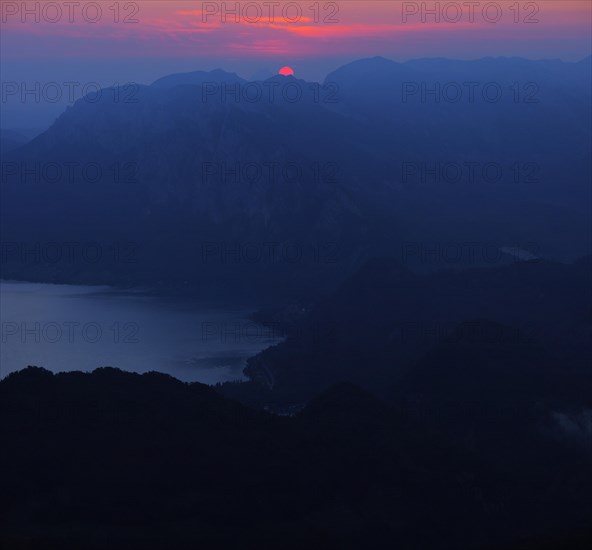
{"points": [[286, 71]]}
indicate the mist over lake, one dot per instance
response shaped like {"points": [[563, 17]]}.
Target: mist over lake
{"points": [[71, 327]]}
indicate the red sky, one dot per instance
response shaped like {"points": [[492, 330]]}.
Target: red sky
{"points": [[393, 28], [142, 40]]}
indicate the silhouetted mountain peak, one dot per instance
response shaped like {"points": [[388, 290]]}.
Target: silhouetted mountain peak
{"points": [[32, 374], [367, 68], [196, 78]]}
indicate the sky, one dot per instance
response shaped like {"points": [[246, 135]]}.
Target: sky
{"points": [[109, 41]]}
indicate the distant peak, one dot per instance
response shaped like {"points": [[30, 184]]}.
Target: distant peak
{"points": [[195, 78]]}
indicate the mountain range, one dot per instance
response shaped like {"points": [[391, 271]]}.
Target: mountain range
{"points": [[204, 174]]}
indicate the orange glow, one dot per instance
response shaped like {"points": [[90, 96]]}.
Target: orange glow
{"points": [[354, 28]]}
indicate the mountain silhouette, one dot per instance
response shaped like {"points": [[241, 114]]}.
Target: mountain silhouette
{"points": [[202, 171]]}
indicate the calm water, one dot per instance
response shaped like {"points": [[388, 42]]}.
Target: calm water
{"points": [[66, 327]]}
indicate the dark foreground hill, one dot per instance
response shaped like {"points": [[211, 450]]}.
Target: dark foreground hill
{"points": [[376, 326], [118, 460]]}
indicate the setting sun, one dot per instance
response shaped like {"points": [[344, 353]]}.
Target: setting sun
{"points": [[286, 71]]}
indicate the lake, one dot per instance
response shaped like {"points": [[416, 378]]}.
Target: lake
{"points": [[69, 327]]}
